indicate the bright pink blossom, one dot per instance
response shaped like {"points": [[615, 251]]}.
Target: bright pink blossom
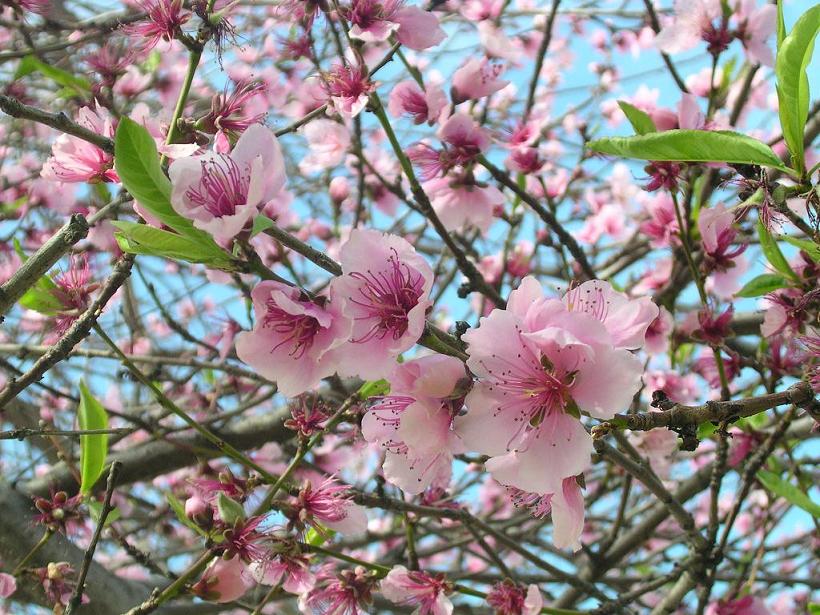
{"points": [[539, 362], [348, 89], [415, 588], [385, 290], [76, 160], [222, 193], [414, 423], [293, 339], [373, 21], [427, 105], [748, 605], [476, 79], [164, 18], [507, 598], [329, 506], [8, 585]]}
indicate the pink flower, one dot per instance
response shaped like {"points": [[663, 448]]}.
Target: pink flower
{"points": [[224, 581], [507, 598], [229, 112], [538, 362], [662, 227], [373, 21], [293, 339], [222, 193], [717, 233], [414, 423], [164, 20], [463, 141], [384, 290], [416, 588], [348, 89], [75, 160], [476, 79], [349, 593], [463, 205], [329, 506], [755, 26], [327, 144], [748, 605], [566, 505], [692, 24], [292, 570], [8, 585], [427, 105]]}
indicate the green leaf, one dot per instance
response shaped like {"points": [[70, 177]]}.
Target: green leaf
{"points": [[772, 252], [762, 285], [793, 57], [814, 608], [260, 224], [691, 146], [230, 511], [705, 430], [179, 510], [809, 247], [30, 64], [374, 387], [93, 448], [788, 492], [781, 26], [95, 510], [40, 300], [640, 120], [136, 161], [318, 538], [145, 239]]}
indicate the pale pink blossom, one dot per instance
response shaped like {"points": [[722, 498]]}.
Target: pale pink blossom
{"points": [[224, 580], [662, 226], [76, 160], [414, 423], [566, 506], [476, 79], [292, 570], [756, 23], [373, 21], [415, 588], [348, 89], [384, 290], [327, 145], [328, 505], [294, 337], [222, 193], [427, 105], [691, 24], [463, 205], [539, 362], [658, 333], [8, 585], [507, 598]]}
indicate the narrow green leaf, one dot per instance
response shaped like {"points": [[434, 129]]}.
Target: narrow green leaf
{"points": [[318, 538], [179, 510], [374, 387], [793, 57], [788, 492], [640, 120], [691, 146], [30, 64], [136, 161], [95, 510], [762, 285], [772, 252], [809, 247], [230, 511], [781, 25], [814, 608], [260, 224], [93, 448], [41, 300], [145, 239]]}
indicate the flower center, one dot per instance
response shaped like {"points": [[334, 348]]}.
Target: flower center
{"points": [[386, 298], [298, 329], [222, 187]]}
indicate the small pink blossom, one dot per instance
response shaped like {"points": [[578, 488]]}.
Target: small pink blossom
{"points": [[348, 593], [507, 598], [292, 570], [662, 226], [463, 205], [328, 506], [293, 339], [427, 105], [348, 89], [373, 21], [384, 290], [164, 18], [222, 193], [476, 79], [76, 160], [748, 605], [224, 581], [327, 145], [693, 21], [415, 588], [8, 585], [755, 25], [414, 423]]}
